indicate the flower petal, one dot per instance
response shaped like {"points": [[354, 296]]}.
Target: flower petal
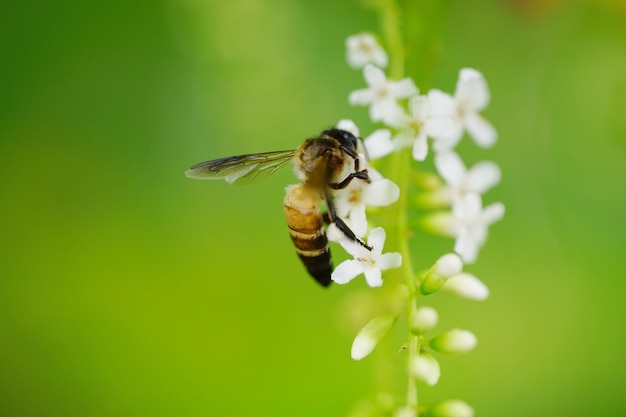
{"points": [[471, 90], [420, 147], [373, 75], [483, 176], [481, 130], [361, 97], [440, 104], [450, 167], [492, 213], [419, 107], [403, 88], [389, 261], [373, 277], [349, 126], [347, 271], [376, 239], [358, 220], [467, 247], [379, 144], [381, 193]]}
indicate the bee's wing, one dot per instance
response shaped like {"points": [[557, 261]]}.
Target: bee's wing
{"points": [[241, 169]]}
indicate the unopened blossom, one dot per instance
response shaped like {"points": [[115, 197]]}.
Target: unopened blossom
{"points": [[350, 202], [470, 224], [460, 181], [425, 367], [369, 336], [381, 94], [450, 408], [415, 127], [366, 262], [470, 98], [446, 266], [363, 49], [422, 319], [454, 341], [467, 286]]}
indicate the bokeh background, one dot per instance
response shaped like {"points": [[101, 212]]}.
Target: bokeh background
{"points": [[128, 290]]}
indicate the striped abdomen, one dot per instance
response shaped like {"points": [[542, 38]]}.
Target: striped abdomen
{"points": [[306, 228]]}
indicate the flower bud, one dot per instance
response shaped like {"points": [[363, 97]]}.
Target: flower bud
{"points": [[439, 223], [445, 267], [422, 319], [367, 339], [467, 286], [425, 367], [454, 341], [450, 408]]}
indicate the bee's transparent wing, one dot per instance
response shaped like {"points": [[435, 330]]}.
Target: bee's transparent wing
{"points": [[241, 169]]}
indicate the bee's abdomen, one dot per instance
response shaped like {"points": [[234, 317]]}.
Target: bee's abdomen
{"points": [[306, 229]]}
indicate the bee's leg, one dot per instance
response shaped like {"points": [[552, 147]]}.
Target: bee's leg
{"points": [[341, 225], [362, 175], [354, 155]]}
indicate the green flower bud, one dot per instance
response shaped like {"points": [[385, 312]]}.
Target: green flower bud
{"points": [[367, 339], [425, 367], [454, 341], [422, 319], [447, 266]]}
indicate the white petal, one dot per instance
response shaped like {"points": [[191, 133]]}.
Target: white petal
{"points": [[376, 239], [471, 206], [373, 75], [387, 111], [483, 176], [379, 144], [347, 271], [389, 261], [492, 213], [361, 97], [420, 147], [481, 130], [443, 128], [403, 88], [448, 265], [381, 193], [450, 167], [419, 107], [467, 247], [471, 90], [373, 277], [358, 221], [349, 126], [440, 104]]}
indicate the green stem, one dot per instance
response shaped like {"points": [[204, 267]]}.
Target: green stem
{"points": [[400, 173]]}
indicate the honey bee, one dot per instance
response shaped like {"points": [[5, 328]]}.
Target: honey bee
{"points": [[326, 162]]}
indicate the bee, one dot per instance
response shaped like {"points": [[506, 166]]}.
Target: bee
{"points": [[323, 163]]}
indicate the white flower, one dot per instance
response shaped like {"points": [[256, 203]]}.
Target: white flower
{"points": [[350, 202], [382, 94], [370, 263], [379, 144], [418, 125], [471, 97], [461, 181], [363, 49], [470, 224]]}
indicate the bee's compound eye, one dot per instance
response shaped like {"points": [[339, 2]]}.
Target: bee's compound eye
{"points": [[349, 137]]}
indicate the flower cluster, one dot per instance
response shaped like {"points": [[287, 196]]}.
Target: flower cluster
{"points": [[434, 124]]}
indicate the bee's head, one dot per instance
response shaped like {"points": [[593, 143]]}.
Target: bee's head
{"points": [[343, 136]]}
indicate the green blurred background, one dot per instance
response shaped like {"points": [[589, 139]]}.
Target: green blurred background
{"points": [[128, 290]]}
